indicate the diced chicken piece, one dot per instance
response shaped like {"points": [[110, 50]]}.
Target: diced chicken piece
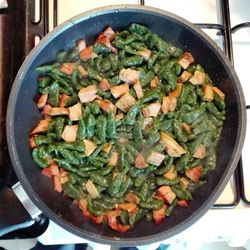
{"points": [[87, 94], [154, 83], [87, 54], [185, 60], [107, 106], [62, 99], [177, 91], [138, 89], [92, 190], [171, 146], [140, 162], [89, 147], [129, 207], [119, 90], [219, 93], [119, 116], [159, 214], [84, 73], [188, 56], [184, 63], [109, 33], [57, 184], [167, 193], [184, 183], [132, 198], [104, 85], [75, 112], [182, 203], [113, 160], [69, 133], [173, 103], [146, 53], [148, 121], [198, 78], [152, 109], [58, 111], [208, 93], [81, 45], [32, 142], [125, 102], [165, 104], [169, 103], [106, 147], [42, 101], [194, 173], [200, 152], [186, 128], [67, 68], [185, 76], [129, 76], [155, 158], [42, 126], [171, 173]]}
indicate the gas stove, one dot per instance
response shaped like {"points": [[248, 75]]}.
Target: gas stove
{"points": [[226, 22]]}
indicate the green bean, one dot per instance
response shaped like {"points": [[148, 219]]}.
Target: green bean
{"points": [[72, 190], [147, 78], [132, 61], [94, 209], [67, 155], [105, 170], [152, 204], [137, 28], [132, 113], [44, 81], [150, 96], [101, 49], [179, 133], [134, 217], [160, 181], [144, 191], [124, 217], [54, 94], [170, 208], [101, 127], [165, 167], [93, 74], [181, 194], [115, 185], [77, 146], [124, 187], [111, 126], [141, 178], [90, 128], [99, 180], [214, 111], [190, 117], [137, 129], [42, 139], [42, 163], [220, 104]]}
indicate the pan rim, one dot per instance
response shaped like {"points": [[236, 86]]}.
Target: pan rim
{"points": [[24, 180]]}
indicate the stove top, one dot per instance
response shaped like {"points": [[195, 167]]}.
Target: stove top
{"points": [[25, 22]]}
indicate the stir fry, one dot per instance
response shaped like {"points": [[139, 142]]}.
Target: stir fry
{"points": [[130, 126]]}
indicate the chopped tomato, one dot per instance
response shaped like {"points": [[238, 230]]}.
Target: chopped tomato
{"points": [[67, 68], [154, 83], [140, 162], [42, 101], [57, 184], [62, 99], [83, 204], [182, 203], [51, 170], [87, 54], [126, 206], [159, 214], [107, 106], [104, 85], [113, 160], [177, 91], [95, 219], [167, 193], [194, 173], [132, 198], [32, 142]]}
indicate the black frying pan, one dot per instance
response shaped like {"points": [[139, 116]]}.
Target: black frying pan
{"points": [[23, 114]]}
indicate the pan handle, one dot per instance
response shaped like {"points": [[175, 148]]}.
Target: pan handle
{"points": [[16, 209]]}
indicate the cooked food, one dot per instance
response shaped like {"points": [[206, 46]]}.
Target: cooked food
{"points": [[130, 126]]}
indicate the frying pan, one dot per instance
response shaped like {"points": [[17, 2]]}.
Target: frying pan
{"points": [[22, 115]]}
